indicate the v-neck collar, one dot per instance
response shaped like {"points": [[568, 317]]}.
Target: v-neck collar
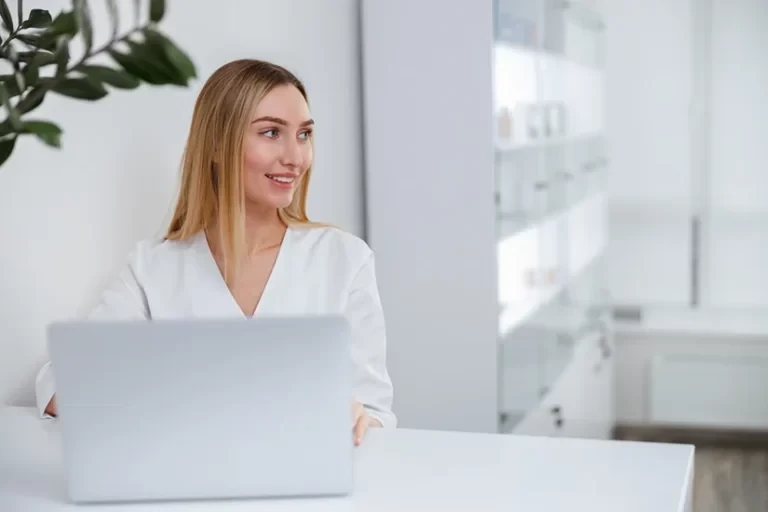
{"points": [[214, 295]]}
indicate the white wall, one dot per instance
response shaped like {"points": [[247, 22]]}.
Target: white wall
{"points": [[68, 217], [737, 239], [430, 208], [648, 83], [715, 111], [687, 120]]}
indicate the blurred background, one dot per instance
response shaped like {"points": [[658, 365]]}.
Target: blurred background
{"points": [[566, 201]]}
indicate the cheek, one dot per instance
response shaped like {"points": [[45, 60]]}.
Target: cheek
{"points": [[258, 157], [309, 155]]}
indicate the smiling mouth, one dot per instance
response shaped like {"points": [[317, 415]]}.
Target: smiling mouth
{"points": [[281, 179]]}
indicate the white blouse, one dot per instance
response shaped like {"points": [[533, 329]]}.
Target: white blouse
{"points": [[318, 270]]}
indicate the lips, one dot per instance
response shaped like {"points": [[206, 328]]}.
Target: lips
{"points": [[285, 179]]}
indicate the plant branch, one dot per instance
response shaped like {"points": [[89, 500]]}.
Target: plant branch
{"points": [[11, 36], [39, 92]]}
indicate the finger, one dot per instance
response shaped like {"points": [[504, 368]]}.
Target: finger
{"points": [[357, 412], [361, 428]]}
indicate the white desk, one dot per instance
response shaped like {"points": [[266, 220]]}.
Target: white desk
{"points": [[403, 470]]}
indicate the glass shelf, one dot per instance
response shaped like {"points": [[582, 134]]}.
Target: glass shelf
{"points": [[516, 23], [570, 29], [535, 354], [549, 169], [533, 183]]}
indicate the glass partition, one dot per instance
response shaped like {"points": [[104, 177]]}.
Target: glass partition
{"points": [[550, 164]]}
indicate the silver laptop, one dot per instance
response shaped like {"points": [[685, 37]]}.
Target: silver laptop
{"points": [[204, 409]]}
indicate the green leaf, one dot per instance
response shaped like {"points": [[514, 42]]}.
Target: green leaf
{"points": [[156, 10], [80, 88], [32, 72], [6, 148], [114, 77], [38, 18], [18, 82], [62, 55], [83, 19], [114, 15], [132, 67], [13, 114], [152, 55], [42, 57], [143, 64], [32, 100], [174, 56], [30, 39], [6, 129], [64, 24], [21, 82], [37, 41], [46, 131], [12, 55], [11, 86], [5, 14]]}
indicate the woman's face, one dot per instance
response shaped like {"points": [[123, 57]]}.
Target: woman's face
{"points": [[277, 147]]}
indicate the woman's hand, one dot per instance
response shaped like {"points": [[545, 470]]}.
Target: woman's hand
{"points": [[361, 422], [51, 407]]}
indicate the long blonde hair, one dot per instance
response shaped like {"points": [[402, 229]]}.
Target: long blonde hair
{"points": [[212, 191]]}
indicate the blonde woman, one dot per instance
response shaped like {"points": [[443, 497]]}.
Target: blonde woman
{"points": [[240, 243]]}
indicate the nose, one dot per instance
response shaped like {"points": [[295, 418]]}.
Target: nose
{"points": [[293, 155]]}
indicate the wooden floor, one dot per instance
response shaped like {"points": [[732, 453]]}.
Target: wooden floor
{"points": [[731, 470], [731, 480]]}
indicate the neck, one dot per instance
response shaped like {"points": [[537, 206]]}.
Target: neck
{"points": [[263, 227]]}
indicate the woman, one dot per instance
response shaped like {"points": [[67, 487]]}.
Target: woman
{"points": [[240, 243]]}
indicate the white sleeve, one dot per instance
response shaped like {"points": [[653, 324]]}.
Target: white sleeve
{"points": [[372, 384], [122, 299]]}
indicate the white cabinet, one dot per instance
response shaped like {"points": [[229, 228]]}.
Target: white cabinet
{"points": [[580, 402], [485, 208]]}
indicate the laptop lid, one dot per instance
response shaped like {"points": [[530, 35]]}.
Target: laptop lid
{"points": [[204, 409]]}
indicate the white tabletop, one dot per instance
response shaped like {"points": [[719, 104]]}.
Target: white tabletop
{"points": [[399, 470]]}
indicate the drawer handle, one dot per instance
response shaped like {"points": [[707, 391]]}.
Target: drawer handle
{"points": [[605, 347], [557, 411]]}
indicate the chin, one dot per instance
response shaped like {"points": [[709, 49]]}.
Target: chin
{"points": [[277, 201]]}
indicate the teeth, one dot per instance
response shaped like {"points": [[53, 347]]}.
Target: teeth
{"points": [[281, 179]]}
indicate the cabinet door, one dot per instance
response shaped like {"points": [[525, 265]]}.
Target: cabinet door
{"points": [[571, 395], [604, 419], [563, 410], [597, 411]]}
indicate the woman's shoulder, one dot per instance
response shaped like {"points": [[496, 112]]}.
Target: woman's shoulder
{"points": [[332, 242], [158, 250]]}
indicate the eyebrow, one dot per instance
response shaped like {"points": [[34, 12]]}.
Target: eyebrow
{"points": [[283, 122]]}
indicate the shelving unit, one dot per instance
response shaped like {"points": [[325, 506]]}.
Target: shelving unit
{"points": [[485, 165], [556, 372]]}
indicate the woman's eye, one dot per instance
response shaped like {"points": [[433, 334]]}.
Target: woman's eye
{"points": [[271, 133], [305, 135]]}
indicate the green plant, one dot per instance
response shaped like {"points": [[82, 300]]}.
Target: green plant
{"points": [[36, 56]]}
